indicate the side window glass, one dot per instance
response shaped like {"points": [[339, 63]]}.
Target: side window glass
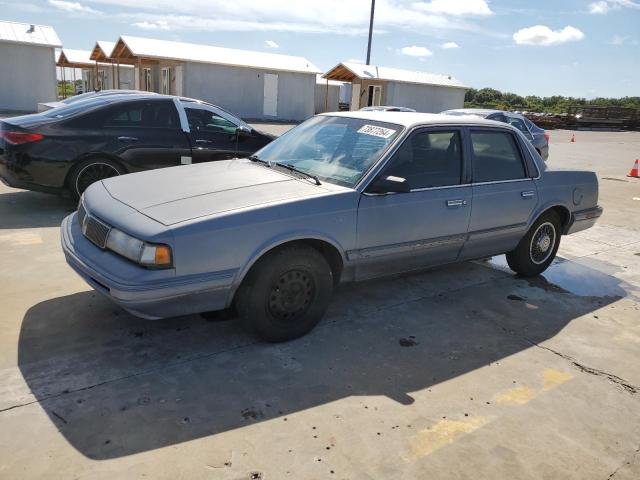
{"points": [[428, 159], [519, 124], [127, 115], [495, 157], [208, 121], [498, 117]]}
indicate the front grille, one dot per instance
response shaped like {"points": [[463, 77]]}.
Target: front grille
{"points": [[92, 228]]}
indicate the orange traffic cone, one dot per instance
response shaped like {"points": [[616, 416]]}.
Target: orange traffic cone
{"points": [[573, 138], [634, 170]]}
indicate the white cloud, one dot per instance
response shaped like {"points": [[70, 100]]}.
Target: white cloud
{"points": [[455, 7], [416, 51], [310, 16], [271, 44], [355, 60], [544, 36], [71, 7], [449, 45], [618, 40], [602, 7], [157, 25]]}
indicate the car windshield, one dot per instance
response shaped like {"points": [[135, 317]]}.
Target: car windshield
{"points": [[336, 149]]}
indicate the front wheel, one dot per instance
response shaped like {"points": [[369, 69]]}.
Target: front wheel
{"points": [[538, 247], [286, 293]]}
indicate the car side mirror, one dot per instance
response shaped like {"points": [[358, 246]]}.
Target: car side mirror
{"points": [[389, 184], [243, 131]]}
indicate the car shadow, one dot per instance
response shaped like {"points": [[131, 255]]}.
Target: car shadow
{"points": [[115, 385], [25, 209]]}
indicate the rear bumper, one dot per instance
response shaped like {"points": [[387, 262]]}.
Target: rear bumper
{"points": [[584, 219], [12, 177], [151, 299]]}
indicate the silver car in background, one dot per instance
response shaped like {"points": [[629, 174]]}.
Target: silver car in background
{"points": [[536, 135]]}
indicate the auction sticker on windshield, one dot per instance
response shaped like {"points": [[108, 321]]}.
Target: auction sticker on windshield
{"points": [[376, 131]]}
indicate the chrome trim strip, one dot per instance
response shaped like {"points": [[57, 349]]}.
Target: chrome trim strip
{"points": [[514, 226], [184, 122], [503, 181], [405, 247]]}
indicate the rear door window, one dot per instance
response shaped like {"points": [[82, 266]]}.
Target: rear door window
{"points": [[154, 114], [496, 157]]}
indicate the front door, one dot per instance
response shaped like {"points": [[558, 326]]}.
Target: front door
{"points": [[212, 136], [504, 193], [427, 226]]}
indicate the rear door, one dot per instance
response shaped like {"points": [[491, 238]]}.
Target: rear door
{"points": [[504, 192], [145, 134], [400, 232]]}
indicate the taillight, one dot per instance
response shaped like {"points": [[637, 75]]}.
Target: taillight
{"points": [[18, 138], [546, 136]]}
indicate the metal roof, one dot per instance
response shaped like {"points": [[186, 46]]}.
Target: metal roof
{"points": [[347, 71], [29, 34], [136, 47], [102, 49], [323, 81], [77, 57]]}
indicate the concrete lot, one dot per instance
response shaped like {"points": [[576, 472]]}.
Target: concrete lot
{"points": [[464, 371]]}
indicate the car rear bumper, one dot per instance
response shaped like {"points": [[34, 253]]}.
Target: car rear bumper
{"points": [[152, 299], [584, 219]]}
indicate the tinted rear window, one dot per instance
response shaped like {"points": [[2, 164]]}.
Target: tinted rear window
{"points": [[496, 157]]}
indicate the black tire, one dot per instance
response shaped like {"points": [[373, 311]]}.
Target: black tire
{"points": [[89, 171], [286, 293], [538, 247]]}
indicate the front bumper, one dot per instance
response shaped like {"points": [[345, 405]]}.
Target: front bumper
{"points": [[150, 296], [584, 219]]}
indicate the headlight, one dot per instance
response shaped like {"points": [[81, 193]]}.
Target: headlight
{"points": [[147, 254]]}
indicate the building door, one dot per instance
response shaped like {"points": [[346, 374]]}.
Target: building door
{"points": [[270, 107], [146, 78], [167, 80], [375, 96]]}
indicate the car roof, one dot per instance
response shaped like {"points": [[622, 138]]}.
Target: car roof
{"points": [[483, 112], [411, 119]]}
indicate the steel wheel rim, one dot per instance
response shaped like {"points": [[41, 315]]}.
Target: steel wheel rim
{"points": [[291, 295], [92, 173], [542, 243]]}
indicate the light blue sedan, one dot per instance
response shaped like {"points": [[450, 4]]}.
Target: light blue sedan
{"points": [[342, 197]]}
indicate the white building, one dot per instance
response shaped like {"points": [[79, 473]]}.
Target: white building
{"points": [[253, 85], [327, 94], [28, 72], [373, 85]]}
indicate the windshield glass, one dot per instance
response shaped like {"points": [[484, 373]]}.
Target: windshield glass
{"points": [[336, 149]]}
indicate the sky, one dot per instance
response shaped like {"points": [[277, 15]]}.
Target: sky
{"points": [[542, 47]]}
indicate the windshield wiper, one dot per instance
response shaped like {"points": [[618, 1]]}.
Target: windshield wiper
{"points": [[291, 168], [254, 158]]}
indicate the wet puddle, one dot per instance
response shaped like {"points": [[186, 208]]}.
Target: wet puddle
{"points": [[566, 276]]}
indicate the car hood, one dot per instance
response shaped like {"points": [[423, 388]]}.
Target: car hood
{"points": [[178, 194]]}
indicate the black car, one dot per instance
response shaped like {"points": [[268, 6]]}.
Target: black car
{"points": [[66, 149]]}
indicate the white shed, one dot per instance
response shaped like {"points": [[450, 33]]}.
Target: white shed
{"points": [[373, 85], [327, 94], [254, 85], [28, 73]]}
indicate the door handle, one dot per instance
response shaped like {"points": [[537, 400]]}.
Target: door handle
{"points": [[127, 139], [528, 194], [456, 203], [203, 142]]}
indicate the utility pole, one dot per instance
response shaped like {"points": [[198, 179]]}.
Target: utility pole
{"points": [[373, 8]]}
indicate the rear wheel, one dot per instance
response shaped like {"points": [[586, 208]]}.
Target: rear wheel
{"points": [[286, 293], [538, 247], [90, 171]]}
